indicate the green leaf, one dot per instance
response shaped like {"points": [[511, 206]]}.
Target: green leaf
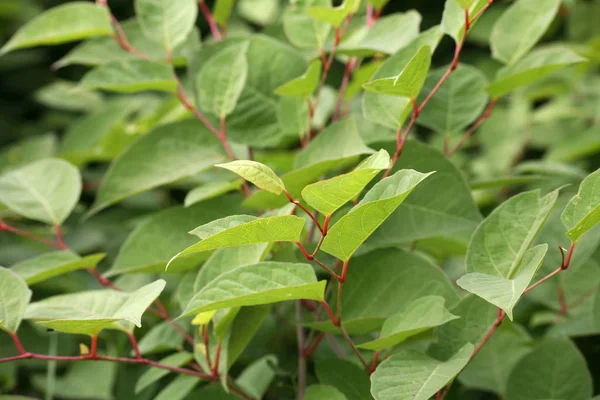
{"points": [[154, 374], [407, 83], [167, 22], [92, 311], [583, 211], [381, 283], [102, 50], [333, 15], [418, 316], [50, 265], [391, 111], [457, 103], [354, 228], [166, 154], [410, 375], [453, 19], [240, 230], [520, 27], [490, 368], [131, 76], [346, 376], [89, 380], [258, 376], [303, 31], [161, 338], [221, 80], [62, 24], [531, 68], [262, 283], [323, 392], [501, 240], [151, 244], [390, 34], [45, 190], [222, 11], [505, 293], [328, 195], [14, 297], [304, 85], [210, 190], [293, 116], [258, 174], [28, 150], [338, 141], [178, 388], [553, 370], [464, 3], [61, 95]]}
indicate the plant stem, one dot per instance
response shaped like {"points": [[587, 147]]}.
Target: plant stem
{"points": [[499, 319], [299, 205], [354, 349], [564, 265], [215, 368], [471, 130], [350, 65], [134, 345], [302, 354], [8, 228], [206, 341], [214, 28]]}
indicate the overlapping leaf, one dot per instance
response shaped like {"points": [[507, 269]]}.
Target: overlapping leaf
{"points": [[14, 297], [305, 84], [167, 22], [50, 265], [583, 211]]}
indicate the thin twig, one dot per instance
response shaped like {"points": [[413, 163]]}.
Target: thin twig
{"points": [[214, 28], [8, 228]]}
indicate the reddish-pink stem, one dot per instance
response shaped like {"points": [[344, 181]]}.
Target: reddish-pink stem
{"points": [[330, 313], [374, 362], [59, 237], [564, 265], [344, 270], [298, 204], [486, 114], [94, 347], [214, 28], [8, 228], [17, 343], [350, 65], [206, 341], [134, 345], [487, 337], [215, 369]]}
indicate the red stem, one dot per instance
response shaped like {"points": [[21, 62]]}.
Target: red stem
{"points": [[7, 228], [487, 337], [215, 369], [298, 204], [330, 313], [134, 345], [564, 265], [214, 29], [344, 270], [94, 347], [350, 65], [205, 339], [308, 351], [374, 362], [486, 114], [18, 343], [59, 238]]}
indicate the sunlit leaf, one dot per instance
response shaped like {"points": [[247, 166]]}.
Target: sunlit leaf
{"points": [[258, 174]]}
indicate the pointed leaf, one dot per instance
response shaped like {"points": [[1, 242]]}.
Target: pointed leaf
{"points": [[520, 27], [90, 312], [244, 229], [409, 82], [164, 155], [583, 211], [14, 297], [65, 23], [154, 374], [328, 195], [222, 10], [131, 76], [333, 15], [419, 316], [262, 283], [354, 228], [45, 190], [410, 375], [258, 174], [505, 293], [553, 370], [532, 67], [501, 240], [167, 22], [221, 80], [50, 265], [304, 85]]}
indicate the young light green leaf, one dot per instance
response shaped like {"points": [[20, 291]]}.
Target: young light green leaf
{"points": [[323, 392], [154, 374], [583, 211], [222, 11], [131, 76], [14, 297], [553, 370], [409, 82], [531, 68], [262, 283], [92, 311], [328, 195], [164, 155], [502, 292], [410, 375], [457, 103], [258, 174], [464, 3], [50, 265], [499, 243], [304, 85], [210, 190], [303, 31], [344, 375], [453, 19], [244, 229], [221, 80], [421, 315], [354, 228], [333, 15], [391, 111], [65, 23], [45, 190], [390, 34], [520, 27], [167, 22]]}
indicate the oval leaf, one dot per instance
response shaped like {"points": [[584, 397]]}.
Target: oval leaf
{"points": [[45, 190], [258, 174]]}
